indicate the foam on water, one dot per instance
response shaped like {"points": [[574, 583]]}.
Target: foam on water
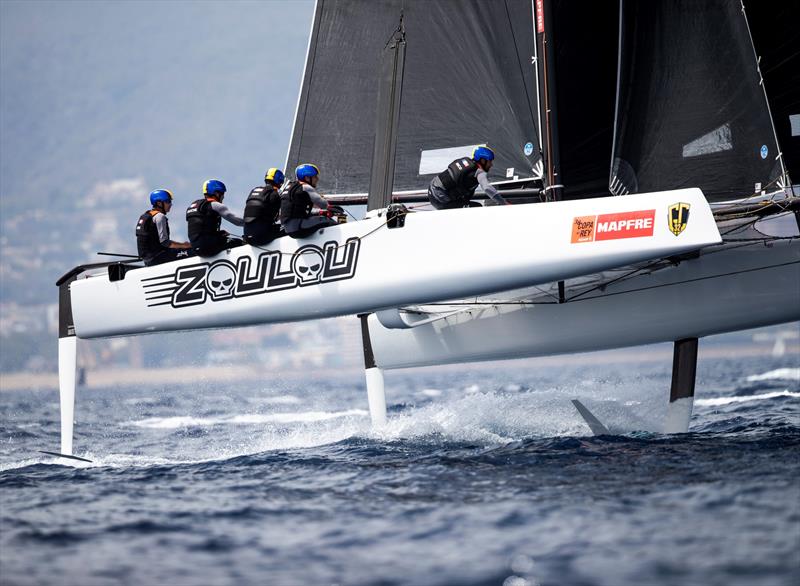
{"points": [[178, 422], [491, 479], [792, 374], [719, 401], [445, 416]]}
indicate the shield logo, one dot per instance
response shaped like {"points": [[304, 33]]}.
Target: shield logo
{"points": [[678, 217]]}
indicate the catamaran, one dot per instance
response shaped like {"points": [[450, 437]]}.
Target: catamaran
{"points": [[652, 202]]}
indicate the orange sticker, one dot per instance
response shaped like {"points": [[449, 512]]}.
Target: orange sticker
{"points": [[583, 229]]}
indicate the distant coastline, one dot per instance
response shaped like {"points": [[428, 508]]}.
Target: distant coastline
{"points": [[106, 377]]}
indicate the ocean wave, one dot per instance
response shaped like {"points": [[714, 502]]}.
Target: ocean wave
{"points": [[729, 400], [777, 374], [178, 422]]}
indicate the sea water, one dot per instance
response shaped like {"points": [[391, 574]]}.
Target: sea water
{"points": [[481, 476]]}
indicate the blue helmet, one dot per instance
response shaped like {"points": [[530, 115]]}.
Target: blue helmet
{"points": [[483, 152], [158, 195], [214, 187], [274, 175], [306, 171]]}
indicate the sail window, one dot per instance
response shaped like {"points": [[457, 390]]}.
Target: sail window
{"points": [[435, 160], [716, 141]]}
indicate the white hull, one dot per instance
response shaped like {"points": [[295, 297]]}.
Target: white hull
{"points": [[365, 266], [729, 289]]}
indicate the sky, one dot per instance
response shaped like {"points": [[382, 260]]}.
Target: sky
{"points": [[174, 92]]}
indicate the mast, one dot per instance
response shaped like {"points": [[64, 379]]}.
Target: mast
{"points": [[546, 69], [387, 118]]}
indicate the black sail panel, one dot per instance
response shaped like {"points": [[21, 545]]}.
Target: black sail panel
{"points": [[691, 111], [585, 35], [468, 79]]}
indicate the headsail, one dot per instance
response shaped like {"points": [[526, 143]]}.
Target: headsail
{"points": [[468, 79], [690, 107]]}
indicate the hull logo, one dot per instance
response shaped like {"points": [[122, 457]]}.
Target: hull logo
{"points": [[638, 224], [678, 217], [254, 275]]}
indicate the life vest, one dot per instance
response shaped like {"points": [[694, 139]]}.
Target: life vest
{"points": [[459, 179], [202, 220], [295, 203], [148, 243], [262, 206]]}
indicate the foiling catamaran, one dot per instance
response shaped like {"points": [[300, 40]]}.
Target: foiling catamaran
{"points": [[639, 134]]}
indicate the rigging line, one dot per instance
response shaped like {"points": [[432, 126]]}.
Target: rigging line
{"points": [[738, 227], [337, 247], [612, 281], [519, 62], [700, 279], [626, 276], [315, 41], [631, 290], [752, 222], [764, 240], [742, 203], [666, 263]]}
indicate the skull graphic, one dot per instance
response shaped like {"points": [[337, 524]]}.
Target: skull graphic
{"points": [[307, 264], [220, 280]]}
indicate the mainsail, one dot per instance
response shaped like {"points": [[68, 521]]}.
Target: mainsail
{"points": [[690, 107], [469, 79]]}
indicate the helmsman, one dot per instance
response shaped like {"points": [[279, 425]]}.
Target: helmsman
{"points": [[298, 201], [455, 186]]}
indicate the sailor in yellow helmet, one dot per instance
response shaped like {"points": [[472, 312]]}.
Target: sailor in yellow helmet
{"points": [[262, 209]]}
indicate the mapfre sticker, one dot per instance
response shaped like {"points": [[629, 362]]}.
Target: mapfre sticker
{"points": [[638, 224]]}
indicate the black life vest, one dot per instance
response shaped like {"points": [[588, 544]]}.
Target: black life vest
{"points": [[295, 203], [202, 220], [459, 179], [263, 205], [148, 243]]}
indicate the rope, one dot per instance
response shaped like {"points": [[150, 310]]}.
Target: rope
{"points": [[337, 247]]}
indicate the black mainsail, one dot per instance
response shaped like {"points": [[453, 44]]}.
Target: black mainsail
{"points": [[667, 94], [468, 79]]}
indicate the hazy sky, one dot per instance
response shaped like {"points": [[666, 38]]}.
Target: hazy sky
{"points": [[175, 92]]}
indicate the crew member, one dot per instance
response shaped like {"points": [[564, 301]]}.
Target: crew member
{"points": [[204, 217], [152, 232], [298, 201], [455, 186], [262, 209]]}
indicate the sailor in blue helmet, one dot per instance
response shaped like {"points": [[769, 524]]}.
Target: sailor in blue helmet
{"points": [[298, 201], [262, 209], [455, 186], [152, 232], [204, 217]]}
